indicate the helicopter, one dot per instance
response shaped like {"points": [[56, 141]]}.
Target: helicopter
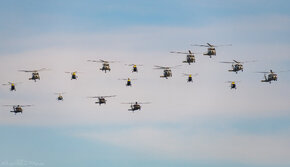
{"points": [[35, 74], [12, 85], [233, 84], [60, 97], [135, 69], [135, 106], [190, 57], [211, 51], [189, 79], [101, 99], [17, 108], [236, 65], [73, 75], [128, 83], [272, 76], [167, 71], [106, 65]]}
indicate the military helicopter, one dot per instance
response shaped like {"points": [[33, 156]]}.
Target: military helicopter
{"points": [[211, 49], [167, 71], [128, 83], [73, 75], [101, 99], [272, 76], [236, 65], [189, 79], [233, 84], [135, 106], [17, 108], [106, 65], [12, 85], [60, 97], [135, 69], [35, 74], [190, 57]]}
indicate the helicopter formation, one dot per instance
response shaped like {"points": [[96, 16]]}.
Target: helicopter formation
{"points": [[167, 73]]}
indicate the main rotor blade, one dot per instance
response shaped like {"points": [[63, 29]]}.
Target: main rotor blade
{"points": [[160, 67], [221, 45], [201, 45], [232, 81], [180, 52], [25, 105], [26, 71], [128, 103], [249, 61], [144, 103], [93, 61], [109, 96], [175, 66], [42, 69], [94, 96], [134, 64]]}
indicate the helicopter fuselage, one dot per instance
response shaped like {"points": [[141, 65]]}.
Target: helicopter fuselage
{"points": [[271, 77], [135, 69], [233, 85], [135, 107], [210, 52], [59, 98], [167, 73], [74, 76], [129, 83], [17, 109], [190, 58], [101, 101], [12, 88], [237, 67], [35, 76], [189, 79], [106, 67]]}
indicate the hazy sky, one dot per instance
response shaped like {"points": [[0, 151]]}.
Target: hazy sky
{"points": [[203, 123]]}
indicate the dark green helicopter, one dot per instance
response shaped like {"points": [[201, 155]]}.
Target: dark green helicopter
{"points": [[190, 57], [135, 105], [272, 76], [17, 108], [211, 51], [101, 99], [106, 65], [60, 96], [237, 65], [166, 71], [35, 73]]}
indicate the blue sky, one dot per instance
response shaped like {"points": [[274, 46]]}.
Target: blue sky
{"points": [[201, 124]]}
